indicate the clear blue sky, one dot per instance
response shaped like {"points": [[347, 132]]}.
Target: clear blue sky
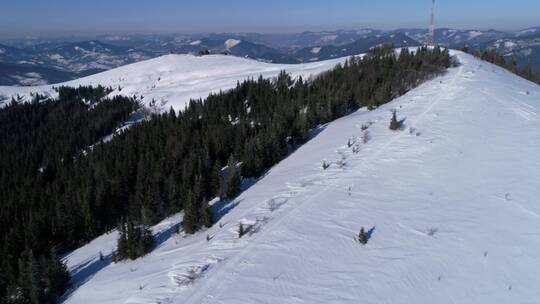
{"points": [[78, 17]]}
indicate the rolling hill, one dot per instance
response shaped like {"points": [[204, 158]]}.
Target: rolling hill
{"points": [[172, 80]]}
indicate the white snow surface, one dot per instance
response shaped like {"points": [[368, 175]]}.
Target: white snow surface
{"points": [[230, 43], [452, 201], [172, 80], [473, 34]]}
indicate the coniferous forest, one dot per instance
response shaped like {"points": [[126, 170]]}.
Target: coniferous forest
{"points": [[61, 185]]}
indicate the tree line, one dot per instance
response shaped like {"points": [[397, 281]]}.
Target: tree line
{"points": [[58, 194], [40, 142]]}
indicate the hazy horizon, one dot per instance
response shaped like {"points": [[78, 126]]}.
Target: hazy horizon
{"points": [[164, 33], [161, 17]]}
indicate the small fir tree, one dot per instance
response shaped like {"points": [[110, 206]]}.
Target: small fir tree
{"points": [[362, 236], [241, 230]]}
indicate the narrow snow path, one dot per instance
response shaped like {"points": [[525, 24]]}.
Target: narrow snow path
{"points": [[220, 279]]}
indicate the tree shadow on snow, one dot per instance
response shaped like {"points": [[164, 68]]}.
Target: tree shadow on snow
{"points": [[83, 272], [162, 236], [222, 207], [370, 232], [316, 131]]}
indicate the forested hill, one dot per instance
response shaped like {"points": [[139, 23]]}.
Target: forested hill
{"points": [[40, 144], [55, 197]]}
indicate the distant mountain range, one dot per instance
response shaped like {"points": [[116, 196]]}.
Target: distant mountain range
{"points": [[38, 61]]}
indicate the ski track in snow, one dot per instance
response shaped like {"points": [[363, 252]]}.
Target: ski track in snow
{"points": [[450, 203]]}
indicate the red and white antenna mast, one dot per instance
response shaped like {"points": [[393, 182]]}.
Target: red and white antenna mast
{"points": [[431, 37]]}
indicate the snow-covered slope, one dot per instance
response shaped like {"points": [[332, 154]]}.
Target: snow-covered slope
{"points": [[173, 80], [451, 203]]}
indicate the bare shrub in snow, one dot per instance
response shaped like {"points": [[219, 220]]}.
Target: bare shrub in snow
{"points": [[366, 125], [274, 205], [432, 231], [191, 275], [259, 223], [366, 137], [325, 165], [396, 124]]}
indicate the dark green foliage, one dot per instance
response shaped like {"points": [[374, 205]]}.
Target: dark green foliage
{"points": [[230, 180], [40, 279], [55, 195], [206, 219], [191, 214], [134, 240], [362, 236], [528, 72], [47, 200]]}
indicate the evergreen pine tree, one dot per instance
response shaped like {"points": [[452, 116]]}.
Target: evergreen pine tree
{"points": [[231, 180], [134, 240], [59, 275], [205, 213], [191, 218]]}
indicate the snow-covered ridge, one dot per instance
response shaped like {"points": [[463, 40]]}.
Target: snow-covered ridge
{"points": [[450, 202], [173, 80], [230, 43]]}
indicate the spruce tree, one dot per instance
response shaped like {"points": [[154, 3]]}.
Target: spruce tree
{"points": [[134, 240], [59, 275], [241, 230], [362, 236], [191, 214], [231, 181], [205, 213]]}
